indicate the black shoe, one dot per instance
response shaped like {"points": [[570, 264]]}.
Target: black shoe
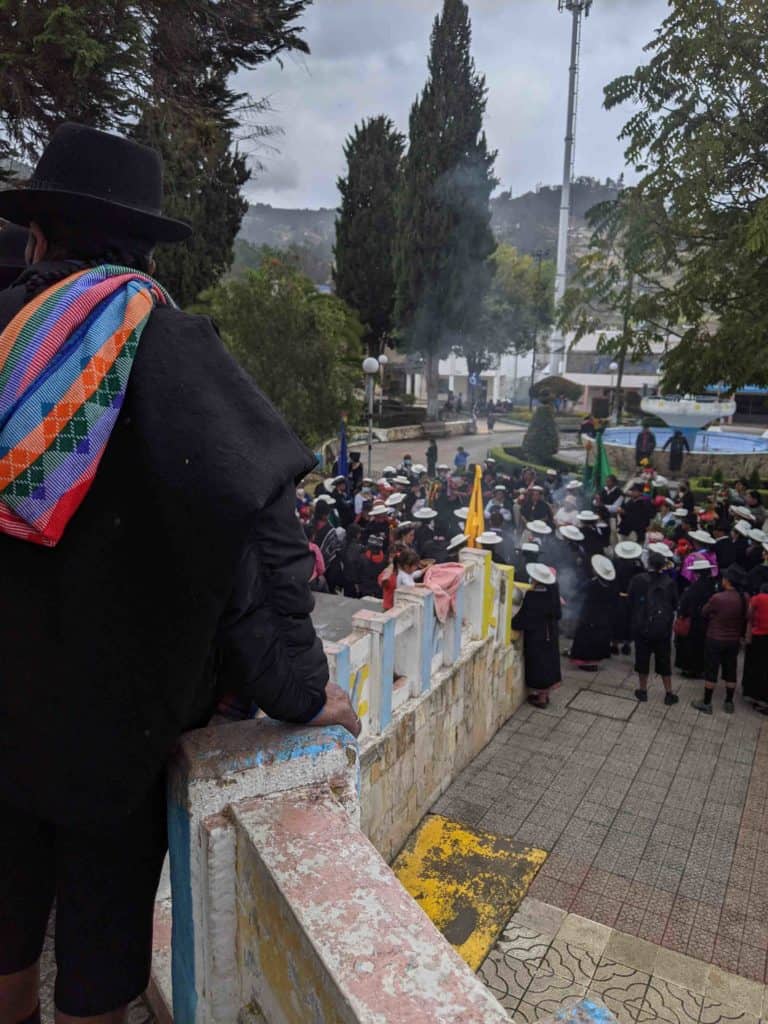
{"points": [[728, 707], [625, 649], [641, 695], [670, 699], [705, 709]]}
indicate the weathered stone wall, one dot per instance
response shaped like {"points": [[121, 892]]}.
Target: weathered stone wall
{"points": [[732, 464], [433, 738]]}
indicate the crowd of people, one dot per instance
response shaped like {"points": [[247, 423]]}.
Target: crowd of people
{"points": [[635, 566]]}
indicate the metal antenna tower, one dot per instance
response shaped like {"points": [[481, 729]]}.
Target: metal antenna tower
{"points": [[579, 9]]}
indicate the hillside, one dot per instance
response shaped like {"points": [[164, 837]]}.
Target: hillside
{"points": [[528, 222]]}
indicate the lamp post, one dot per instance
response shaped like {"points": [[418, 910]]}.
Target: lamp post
{"points": [[370, 369], [383, 360], [539, 255], [614, 368]]}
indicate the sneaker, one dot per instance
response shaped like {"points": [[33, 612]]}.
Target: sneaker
{"points": [[705, 709], [641, 695], [670, 699], [625, 649], [728, 707]]}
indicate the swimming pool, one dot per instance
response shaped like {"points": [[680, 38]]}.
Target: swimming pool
{"points": [[712, 441]]}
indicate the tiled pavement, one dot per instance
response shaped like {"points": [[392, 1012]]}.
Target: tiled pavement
{"points": [[547, 960], [655, 818]]}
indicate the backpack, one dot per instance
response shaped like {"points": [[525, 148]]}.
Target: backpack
{"points": [[657, 613]]}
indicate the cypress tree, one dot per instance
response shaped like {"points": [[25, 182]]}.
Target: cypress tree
{"points": [[365, 226], [444, 236]]}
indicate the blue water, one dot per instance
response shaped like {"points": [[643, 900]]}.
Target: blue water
{"points": [[705, 442]]}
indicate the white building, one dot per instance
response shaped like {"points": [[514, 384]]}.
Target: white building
{"points": [[509, 381], [591, 369]]}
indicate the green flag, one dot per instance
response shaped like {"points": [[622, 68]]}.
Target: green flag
{"points": [[597, 467]]}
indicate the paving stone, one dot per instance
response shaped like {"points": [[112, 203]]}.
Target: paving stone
{"points": [[541, 918], [506, 977], [731, 990], [632, 951], [683, 971], [586, 934]]}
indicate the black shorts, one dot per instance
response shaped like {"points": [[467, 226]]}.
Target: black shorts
{"points": [[662, 656], [721, 656], [104, 880]]}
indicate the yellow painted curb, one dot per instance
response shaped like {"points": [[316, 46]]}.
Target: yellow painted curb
{"points": [[468, 882]]}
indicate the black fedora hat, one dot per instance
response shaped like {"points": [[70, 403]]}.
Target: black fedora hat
{"points": [[102, 178]]}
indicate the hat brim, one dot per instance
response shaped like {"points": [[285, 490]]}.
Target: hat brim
{"points": [[23, 205]]}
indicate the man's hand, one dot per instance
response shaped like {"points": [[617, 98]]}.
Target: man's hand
{"points": [[338, 710]]}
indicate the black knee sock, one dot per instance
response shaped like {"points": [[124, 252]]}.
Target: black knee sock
{"points": [[729, 692], [708, 695], [34, 1019]]}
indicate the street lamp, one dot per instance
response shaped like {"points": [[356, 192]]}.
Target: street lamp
{"points": [[614, 368], [383, 360], [370, 369]]}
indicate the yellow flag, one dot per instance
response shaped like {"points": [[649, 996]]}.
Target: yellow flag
{"points": [[476, 518]]}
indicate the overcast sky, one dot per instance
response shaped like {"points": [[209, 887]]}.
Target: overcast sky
{"points": [[369, 57]]}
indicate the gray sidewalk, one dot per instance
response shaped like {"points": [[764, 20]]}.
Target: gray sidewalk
{"points": [[655, 818]]}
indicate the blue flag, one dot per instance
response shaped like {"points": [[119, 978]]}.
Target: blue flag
{"points": [[343, 453]]}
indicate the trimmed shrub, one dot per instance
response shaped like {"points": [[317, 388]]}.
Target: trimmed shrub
{"points": [[542, 440]]}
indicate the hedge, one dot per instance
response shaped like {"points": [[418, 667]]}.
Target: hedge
{"points": [[509, 459]]}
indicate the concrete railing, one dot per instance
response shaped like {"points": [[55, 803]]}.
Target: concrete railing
{"points": [[281, 900], [282, 909]]}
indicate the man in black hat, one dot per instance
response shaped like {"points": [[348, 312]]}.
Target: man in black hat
{"points": [[153, 564]]}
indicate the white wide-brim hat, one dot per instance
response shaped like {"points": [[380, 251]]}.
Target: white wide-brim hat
{"points": [[571, 533], [660, 481], [759, 536], [489, 538], [324, 499], [388, 471], [701, 537], [442, 465], [539, 526], [403, 481], [461, 513], [743, 528], [588, 517], [680, 513], [536, 487], [604, 567], [425, 513], [395, 499], [379, 510], [573, 485], [541, 573], [329, 482], [418, 468], [660, 549], [700, 564], [627, 549], [458, 541], [530, 547], [500, 487], [743, 512]]}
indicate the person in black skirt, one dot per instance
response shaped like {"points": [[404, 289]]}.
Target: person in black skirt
{"points": [[690, 648], [592, 642], [626, 560], [538, 621]]}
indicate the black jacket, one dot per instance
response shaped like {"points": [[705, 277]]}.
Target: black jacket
{"points": [[182, 575]]}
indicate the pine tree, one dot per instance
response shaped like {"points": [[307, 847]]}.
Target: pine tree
{"points": [[444, 237], [365, 227]]}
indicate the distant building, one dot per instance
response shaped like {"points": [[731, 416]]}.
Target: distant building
{"points": [[592, 369]]}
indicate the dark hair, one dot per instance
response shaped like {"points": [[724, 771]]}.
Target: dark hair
{"points": [[404, 556], [88, 245], [353, 532], [756, 496], [656, 562]]}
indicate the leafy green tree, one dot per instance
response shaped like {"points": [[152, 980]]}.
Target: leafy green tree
{"points": [[365, 226], [698, 140], [84, 60], [302, 348], [444, 237], [164, 72], [619, 290], [517, 306], [542, 439]]}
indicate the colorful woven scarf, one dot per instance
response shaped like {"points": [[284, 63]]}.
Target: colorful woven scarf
{"points": [[65, 360]]}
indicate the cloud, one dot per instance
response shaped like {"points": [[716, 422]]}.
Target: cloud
{"points": [[369, 57]]}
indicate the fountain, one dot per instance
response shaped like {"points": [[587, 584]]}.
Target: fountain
{"points": [[734, 454]]}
